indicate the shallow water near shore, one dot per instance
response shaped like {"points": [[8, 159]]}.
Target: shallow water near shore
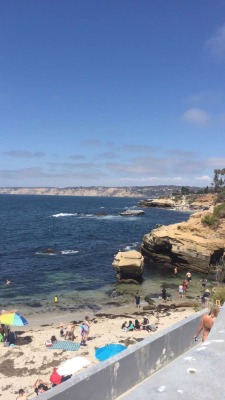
{"points": [[64, 246]]}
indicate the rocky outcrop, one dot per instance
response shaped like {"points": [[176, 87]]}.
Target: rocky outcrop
{"points": [[203, 202], [128, 265], [185, 202], [158, 203], [190, 245]]}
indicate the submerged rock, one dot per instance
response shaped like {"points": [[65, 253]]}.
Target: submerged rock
{"points": [[129, 265]]}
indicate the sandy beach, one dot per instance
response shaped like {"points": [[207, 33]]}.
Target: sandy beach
{"points": [[29, 359]]}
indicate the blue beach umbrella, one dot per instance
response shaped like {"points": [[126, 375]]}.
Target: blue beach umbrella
{"points": [[103, 353], [13, 319]]}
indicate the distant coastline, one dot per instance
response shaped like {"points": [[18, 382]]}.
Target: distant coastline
{"points": [[98, 191]]}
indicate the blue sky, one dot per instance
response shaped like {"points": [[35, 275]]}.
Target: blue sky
{"points": [[111, 92]]}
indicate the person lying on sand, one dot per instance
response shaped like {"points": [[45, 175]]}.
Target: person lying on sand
{"points": [[207, 322], [40, 387]]}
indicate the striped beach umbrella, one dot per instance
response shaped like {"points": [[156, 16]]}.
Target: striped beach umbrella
{"points": [[13, 319]]}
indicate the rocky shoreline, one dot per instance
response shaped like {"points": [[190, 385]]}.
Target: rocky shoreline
{"points": [[191, 245]]}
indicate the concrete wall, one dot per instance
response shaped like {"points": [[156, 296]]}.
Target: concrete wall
{"points": [[111, 378], [197, 374]]}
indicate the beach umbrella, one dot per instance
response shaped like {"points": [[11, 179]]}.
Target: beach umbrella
{"points": [[73, 365], [103, 353], [13, 319]]}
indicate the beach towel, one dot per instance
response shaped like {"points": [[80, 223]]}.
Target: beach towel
{"points": [[103, 353], [65, 345]]}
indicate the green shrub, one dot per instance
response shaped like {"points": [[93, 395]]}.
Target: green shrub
{"points": [[209, 220], [213, 218], [219, 211], [219, 294], [221, 196], [177, 198]]}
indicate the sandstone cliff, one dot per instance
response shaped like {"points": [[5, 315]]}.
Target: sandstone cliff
{"points": [[185, 202], [189, 245]]}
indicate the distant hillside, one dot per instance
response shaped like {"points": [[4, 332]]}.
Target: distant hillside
{"points": [[101, 191]]}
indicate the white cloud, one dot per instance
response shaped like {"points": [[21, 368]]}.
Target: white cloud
{"points": [[24, 154], [216, 43], [200, 99], [196, 116], [216, 162], [154, 180], [204, 178]]}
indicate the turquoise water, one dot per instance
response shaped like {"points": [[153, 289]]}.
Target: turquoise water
{"points": [[78, 268]]}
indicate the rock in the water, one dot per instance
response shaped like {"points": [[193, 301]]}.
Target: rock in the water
{"points": [[50, 251], [128, 265], [130, 213]]}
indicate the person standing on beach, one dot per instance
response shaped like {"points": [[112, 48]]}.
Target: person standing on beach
{"points": [[137, 300], [185, 285], [164, 295], [85, 330], [203, 282], [175, 271], [56, 300], [188, 276], [207, 322]]}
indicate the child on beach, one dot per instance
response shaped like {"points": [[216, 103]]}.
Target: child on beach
{"points": [[181, 291]]}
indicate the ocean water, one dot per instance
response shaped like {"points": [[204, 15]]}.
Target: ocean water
{"points": [[64, 246]]}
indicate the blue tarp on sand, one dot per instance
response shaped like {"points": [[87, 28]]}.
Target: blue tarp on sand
{"points": [[103, 353], [65, 345]]}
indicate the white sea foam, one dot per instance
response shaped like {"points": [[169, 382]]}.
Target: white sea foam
{"points": [[42, 253], [69, 251], [86, 215], [64, 215]]}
